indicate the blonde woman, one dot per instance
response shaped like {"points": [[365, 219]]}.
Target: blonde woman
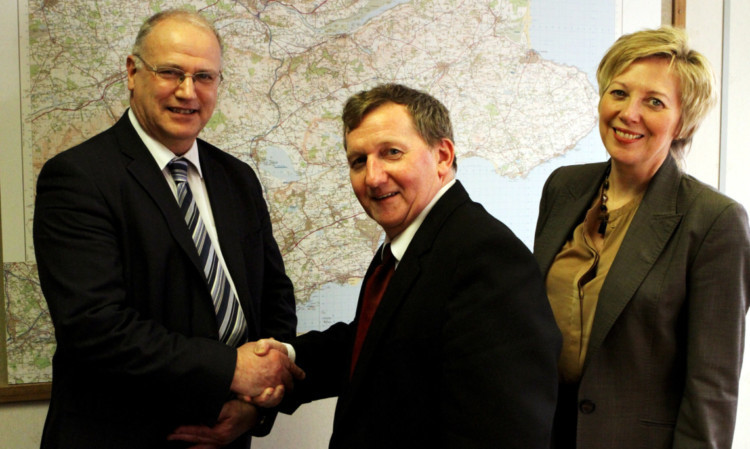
{"points": [[647, 269]]}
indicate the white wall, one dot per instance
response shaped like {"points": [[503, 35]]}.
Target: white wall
{"points": [[20, 424], [309, 428], [719, 155]]}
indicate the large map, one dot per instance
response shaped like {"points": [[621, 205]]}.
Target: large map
{"points": [[517, 76]]}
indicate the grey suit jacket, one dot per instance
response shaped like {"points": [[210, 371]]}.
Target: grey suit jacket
{"points": [[666, 346]]}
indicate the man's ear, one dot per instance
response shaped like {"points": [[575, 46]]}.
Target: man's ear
{"points": [[131, 69], [445, 155]]}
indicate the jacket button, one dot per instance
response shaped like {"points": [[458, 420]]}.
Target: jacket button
{"points": [[586, 407]]}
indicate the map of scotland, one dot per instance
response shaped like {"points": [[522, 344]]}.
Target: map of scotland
{"points": [[289, 67]]}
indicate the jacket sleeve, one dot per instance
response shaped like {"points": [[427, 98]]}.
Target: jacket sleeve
{"points": [[500, 348], [278, 317], [324, 356], [718, 297]]}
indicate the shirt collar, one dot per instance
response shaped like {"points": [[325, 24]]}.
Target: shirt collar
{"points": [[161, 154], [401, 241]]}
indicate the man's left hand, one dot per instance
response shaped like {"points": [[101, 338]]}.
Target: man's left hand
{"points": [[236, 418]]}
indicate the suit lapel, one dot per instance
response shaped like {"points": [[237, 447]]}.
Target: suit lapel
{"points": [[566, 213], [407, 273], [651, 228], [144, 170]]}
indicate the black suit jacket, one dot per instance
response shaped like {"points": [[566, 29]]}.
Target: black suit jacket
{"points": [[663, 362], [137, 348], [461, 353]]}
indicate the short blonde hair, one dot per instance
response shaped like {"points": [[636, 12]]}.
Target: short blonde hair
{"points": [[696, 78]]}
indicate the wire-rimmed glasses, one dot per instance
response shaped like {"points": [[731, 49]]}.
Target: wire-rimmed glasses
{"points": [[177, 75]]}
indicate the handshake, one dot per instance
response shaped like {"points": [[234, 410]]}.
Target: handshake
{"points": [[264, 373]]}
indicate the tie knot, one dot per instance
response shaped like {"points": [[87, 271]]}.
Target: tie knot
{"points": [[178, 168], [387, 256]]}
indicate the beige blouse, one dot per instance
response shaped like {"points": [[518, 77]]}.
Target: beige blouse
{"points": [[576, 277]]}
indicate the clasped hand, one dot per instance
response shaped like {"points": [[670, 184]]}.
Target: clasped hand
{"points": [[264, 372]]}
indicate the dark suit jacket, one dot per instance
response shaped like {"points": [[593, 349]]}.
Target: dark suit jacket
{"points": [[461, 353], [663, 362], [137, 348]]}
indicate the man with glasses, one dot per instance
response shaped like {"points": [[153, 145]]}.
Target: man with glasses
{"points": [[158, 263]]}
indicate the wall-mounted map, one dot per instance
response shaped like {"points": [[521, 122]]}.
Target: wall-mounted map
{"points": [[517, 76]]}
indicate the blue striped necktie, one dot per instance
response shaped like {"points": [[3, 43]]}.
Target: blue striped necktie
{"points": [[229, 317]]}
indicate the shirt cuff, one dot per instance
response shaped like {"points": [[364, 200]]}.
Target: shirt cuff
{"points": [[291, 353]]}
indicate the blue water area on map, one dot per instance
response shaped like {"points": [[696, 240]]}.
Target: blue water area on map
{"points": [[327, 306], [515, 201], [277, 164], [371, 10], [577, 36]]}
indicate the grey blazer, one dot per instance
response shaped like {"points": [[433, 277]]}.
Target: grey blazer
{"points": [[666, 345]]}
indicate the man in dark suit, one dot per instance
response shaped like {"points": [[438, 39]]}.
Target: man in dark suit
{"points": [[462, 349], [138, 295]]}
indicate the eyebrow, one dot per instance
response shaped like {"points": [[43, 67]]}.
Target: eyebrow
{"points": [[174, 65], [650, 92]]}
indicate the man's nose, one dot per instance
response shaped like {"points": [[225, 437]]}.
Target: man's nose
{"points": [[186, 88], [375, 174]]}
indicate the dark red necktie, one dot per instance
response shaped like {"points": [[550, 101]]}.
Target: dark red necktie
{"points": [[374, 289]]}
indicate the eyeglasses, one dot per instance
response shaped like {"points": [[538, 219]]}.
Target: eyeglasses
{"points": [[177, 76]]}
